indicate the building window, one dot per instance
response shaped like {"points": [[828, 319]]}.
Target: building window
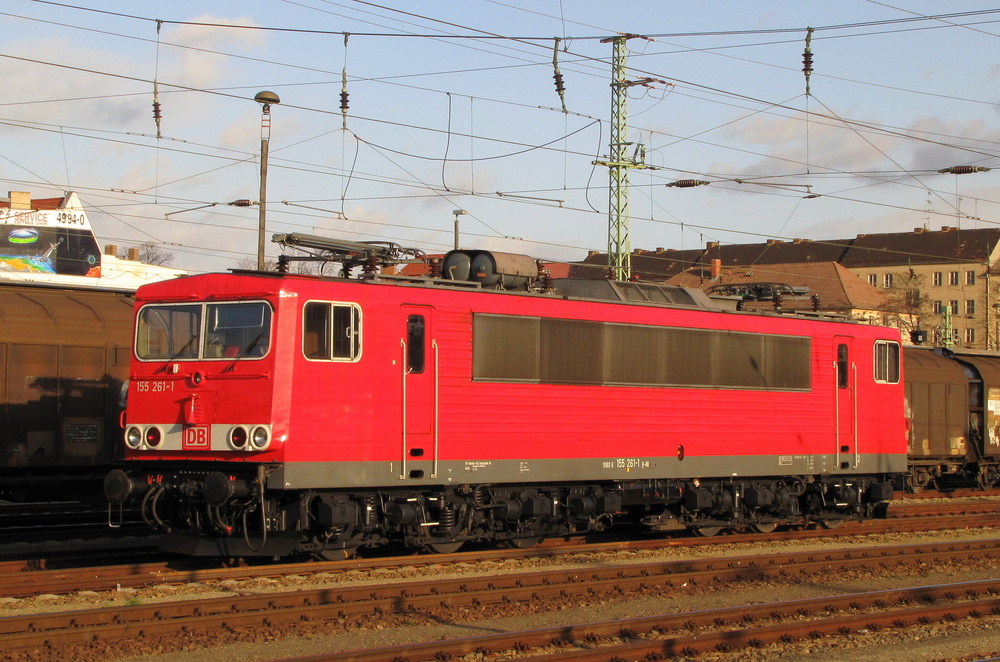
{"points": [[887, 280], [970, 307], [873, 280], [970, 336], [970, 277], [954, 307], [936, 305], [953, 278], [938, 279]]}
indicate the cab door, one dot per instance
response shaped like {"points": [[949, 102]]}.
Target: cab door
{"points": [[419, 381], [846, 403]]}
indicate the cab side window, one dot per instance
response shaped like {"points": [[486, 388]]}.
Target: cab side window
{"points": [[886, 362], [331, 331]]}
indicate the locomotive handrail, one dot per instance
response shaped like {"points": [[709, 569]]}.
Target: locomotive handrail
{"points": [[238, 375], [853, 395], [437, 377], [836, 411], [854, 418], [406, 371]]}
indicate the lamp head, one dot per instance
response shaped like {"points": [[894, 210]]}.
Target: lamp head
{"points": [[266, 98]]}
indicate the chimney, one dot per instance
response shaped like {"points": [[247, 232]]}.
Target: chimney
{"points": [[111, 249], [19, 199], [772, 242], [593, 253], [716, 268], [659, 249], [710, 245], [133, 254], [919, 230], [797, 240]]}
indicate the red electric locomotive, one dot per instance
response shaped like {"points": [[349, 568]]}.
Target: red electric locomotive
{"points": [[271, 414]]}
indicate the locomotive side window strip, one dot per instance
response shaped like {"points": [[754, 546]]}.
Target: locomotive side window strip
{"points": [[886, 362], [554, 351], [331, 331], [185, 332], [506, 348]]}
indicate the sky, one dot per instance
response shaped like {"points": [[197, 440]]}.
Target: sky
{"points": [[452, 105]]}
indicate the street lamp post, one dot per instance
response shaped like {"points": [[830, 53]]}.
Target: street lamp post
{"points": [[265, 99]]}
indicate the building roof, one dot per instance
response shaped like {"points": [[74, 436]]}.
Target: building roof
{"points": [[949, 245], [646, 265]]}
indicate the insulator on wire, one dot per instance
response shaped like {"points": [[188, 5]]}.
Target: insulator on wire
{"points": [[807, 58], [963, 170], [557, 75], [344, 105], [688, 183], [344, 97], [157, 112]]}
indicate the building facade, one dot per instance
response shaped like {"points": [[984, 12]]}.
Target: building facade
{"points": [[942, 282]]}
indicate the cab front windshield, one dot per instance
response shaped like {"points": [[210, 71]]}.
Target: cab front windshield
{"points": [[174, 332]]}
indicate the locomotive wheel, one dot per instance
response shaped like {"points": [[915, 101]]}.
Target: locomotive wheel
{"points": [[830, 523], [524, 543], [763, 527], [706, 531], [444, 547], [986, 478]]}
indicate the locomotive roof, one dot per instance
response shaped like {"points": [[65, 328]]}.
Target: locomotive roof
{"points": [[234, 283]]}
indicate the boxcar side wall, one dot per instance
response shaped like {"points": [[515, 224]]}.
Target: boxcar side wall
{"points": [[64, 355]]}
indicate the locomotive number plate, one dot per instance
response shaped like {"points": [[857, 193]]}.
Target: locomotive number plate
{"points": [[154, 386]]}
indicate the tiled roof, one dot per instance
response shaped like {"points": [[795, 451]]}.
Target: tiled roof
{"points": [[946, 246], [922, 247]]}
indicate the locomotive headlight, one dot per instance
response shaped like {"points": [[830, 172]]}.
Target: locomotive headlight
{"points": [[133, 437], [260, 437], [154, 437], [238, 437]]}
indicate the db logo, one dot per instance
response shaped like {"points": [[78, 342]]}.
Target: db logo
{"points": [[195, 437]]}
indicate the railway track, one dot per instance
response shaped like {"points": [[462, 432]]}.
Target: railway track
{"points": [[129, 569], [726, 630], [292, 611]]}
